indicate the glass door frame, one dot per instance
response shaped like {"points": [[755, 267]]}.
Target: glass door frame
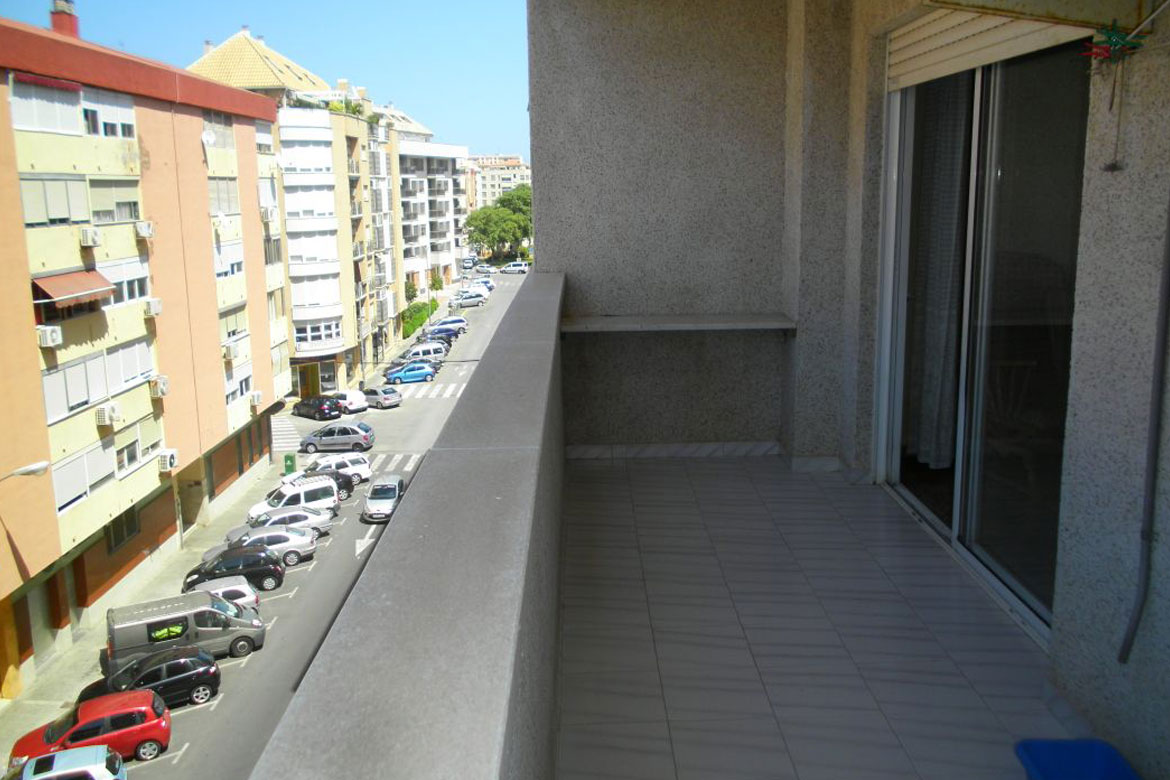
{"points": [[893, 281]]}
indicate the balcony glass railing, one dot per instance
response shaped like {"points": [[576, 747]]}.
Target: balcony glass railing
{"points": [[354, 167]]}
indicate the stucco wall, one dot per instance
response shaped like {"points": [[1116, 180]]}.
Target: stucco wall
{"points": [[1123, 237]]}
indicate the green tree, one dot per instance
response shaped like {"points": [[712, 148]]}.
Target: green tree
{"points": [[519, 201], [436, 280], [497, 228], [411, 291]]}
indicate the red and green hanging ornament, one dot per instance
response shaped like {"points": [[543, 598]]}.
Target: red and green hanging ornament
{"points": [[1114, 44]]}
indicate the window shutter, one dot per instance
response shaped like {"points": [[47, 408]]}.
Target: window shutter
{"points": [[95, 374], [32, 199], [69, 480], [945, 42], [57, 200], [78, 206], [100, 461], [101, 195], [149, 431], [56, 401], [76, 385]]}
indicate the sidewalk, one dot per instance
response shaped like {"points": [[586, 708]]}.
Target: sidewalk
{"points": [[59, 680]]}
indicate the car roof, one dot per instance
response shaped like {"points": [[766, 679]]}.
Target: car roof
{"points": [[237, 552], [74, 758], [388, 479], [113, 703], [170, 654], [290, 510], [222, 583]]}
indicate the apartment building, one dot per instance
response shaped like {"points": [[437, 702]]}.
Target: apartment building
{"points": [[497, 174], [140, 317], [434, 202], [322, 141]]}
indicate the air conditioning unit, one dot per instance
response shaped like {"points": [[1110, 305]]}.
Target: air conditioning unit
{"points": [[50, 336], [91, 237], [144, 229], [159, 386], [257, 397], [231, 351], [108, 414], [152, 307], [270, 214], [168, 461]]}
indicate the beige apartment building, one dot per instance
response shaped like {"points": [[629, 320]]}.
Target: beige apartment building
{"points": [[497, 174], [145, 321], [334, 157]]}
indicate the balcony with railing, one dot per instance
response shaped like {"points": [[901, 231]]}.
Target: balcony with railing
{"points": [[439, 186], [413, 188], [353, 167], [359, 250], [356, 209]]}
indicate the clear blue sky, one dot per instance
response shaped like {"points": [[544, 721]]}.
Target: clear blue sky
{"points": [[458, 66]]}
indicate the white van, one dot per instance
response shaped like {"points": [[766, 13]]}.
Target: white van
{"points": [[428, 349], [312, 492]]}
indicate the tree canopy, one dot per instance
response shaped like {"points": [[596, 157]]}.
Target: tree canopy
{"points": [[519, 201], [497, 228]]}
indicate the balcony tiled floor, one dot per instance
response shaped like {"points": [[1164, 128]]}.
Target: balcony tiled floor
{"points": [[724, 618]]}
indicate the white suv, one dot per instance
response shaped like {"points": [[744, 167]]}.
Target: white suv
{"points": [[518, 267]]}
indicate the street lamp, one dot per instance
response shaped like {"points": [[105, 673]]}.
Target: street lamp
{"points": [[31, 470]]}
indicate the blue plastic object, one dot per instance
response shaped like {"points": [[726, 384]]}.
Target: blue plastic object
{"points": [[1073, 759]]}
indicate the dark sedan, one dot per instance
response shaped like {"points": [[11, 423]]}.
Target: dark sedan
{"points": [[259, 565], [179, 675], [319, 407], [443, 331]]}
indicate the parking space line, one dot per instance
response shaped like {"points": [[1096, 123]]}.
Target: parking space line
{"points": [[211, 705], [301, 568], [450, 389], [339, 523], [272, 623], [410, 464], [460, 393], [179, 755], [394, 462], [288, 595], [325, 543]]}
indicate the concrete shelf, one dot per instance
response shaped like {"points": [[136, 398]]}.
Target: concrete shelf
{"points": [[676, 322]]}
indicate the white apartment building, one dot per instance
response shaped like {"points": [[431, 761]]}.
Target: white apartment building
{"points": [[497, 174], [431, 201]]}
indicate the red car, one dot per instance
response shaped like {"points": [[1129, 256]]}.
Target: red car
{"points": [[135, 724]]}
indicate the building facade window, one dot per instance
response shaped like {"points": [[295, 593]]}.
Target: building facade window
{"points": [[280, 362], [131, 280], [76, 477], [110, 114], [122, 529], [113, 201], [228, 258], [237, 382], [45, 108], [264, 137], [233, 324], [223, 195], [272, 253], [53, 201], [276, 304], [308, 333], [217, 127]]}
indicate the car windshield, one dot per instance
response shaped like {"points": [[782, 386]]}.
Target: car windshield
{"points": [[383, 491], [365, 428], [276, 497], [122, 680], [256, 522], [57, 728], [226, 607]]}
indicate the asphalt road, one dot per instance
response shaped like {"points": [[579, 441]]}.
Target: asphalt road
{"points": [[225, 737]]}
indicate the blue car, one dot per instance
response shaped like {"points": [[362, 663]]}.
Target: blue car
{"points": [[411, 372]]}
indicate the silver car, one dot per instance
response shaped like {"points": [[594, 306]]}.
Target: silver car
{"points": [[383, 397], [303, 517], [339, 436], [293, 545], [383, 497]]}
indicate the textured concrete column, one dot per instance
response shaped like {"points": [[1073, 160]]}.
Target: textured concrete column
{"points": [[1122, 247], [815, 196]]}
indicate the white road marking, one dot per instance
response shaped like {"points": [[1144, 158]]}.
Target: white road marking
{"points": [[377, 462], [339, 523], [325, 543], [407, 392], [179, 755], [360, 545], [211, 705], [301, 568], [272, 622], [460, 393], [450, 389], [435, 393], [410, 464], [215, 702], [394, 462], [288, 595]]}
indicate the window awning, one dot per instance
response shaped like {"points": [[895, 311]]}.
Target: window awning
{"points": [[73, 288]]}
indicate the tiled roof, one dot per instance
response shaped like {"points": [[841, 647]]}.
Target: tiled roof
{"points": [[248, 63], [403, 123]]}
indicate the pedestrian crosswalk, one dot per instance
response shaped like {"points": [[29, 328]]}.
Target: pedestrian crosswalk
{"points": [[422, 390], [284, 434], [391, 463]]}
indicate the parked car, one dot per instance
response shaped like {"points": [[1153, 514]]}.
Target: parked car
{"points": [[469, 298], [304, 492], [351, 401], [134, 724], [383, 397], [455, 322], [468, 263], [434, 362], [293, 545], [439, 338], [411, 372], [319, 407], [482, 281], [180, 675], [258, 565], [345, 482], [352, 464], [196, 618], [320, 521], [237, 590], [339, 436], [484, 268], [443, 331], [97, 762], [518, 267], [383, 497]]}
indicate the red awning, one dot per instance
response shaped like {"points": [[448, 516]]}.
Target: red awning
{"points": [[73, 288], [45, 81]]}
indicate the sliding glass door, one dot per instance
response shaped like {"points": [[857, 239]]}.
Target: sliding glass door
{"points": [[987, 222]]}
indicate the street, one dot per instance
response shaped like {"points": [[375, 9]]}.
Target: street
{"points": [[225, 736]]}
